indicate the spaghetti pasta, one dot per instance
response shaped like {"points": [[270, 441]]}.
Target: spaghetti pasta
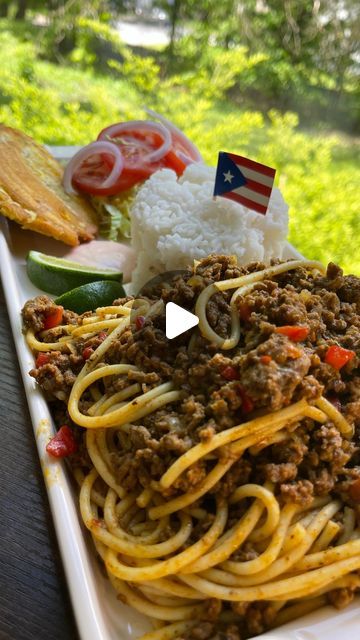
{"points": [[217, 474]]}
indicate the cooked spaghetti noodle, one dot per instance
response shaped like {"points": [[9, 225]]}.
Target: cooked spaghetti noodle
{"points": [[218, 474]]}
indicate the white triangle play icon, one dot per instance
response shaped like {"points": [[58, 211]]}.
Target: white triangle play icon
{"points": [[178, 320]]}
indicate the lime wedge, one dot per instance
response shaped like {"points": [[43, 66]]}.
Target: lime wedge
{"points": [[90, 296], [57, 275]]}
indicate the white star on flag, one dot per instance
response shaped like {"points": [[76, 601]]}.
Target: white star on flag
{"points": [[243, 180], [228, 177]]}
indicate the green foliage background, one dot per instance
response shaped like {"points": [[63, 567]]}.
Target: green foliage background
{"points": [[70, 103]]}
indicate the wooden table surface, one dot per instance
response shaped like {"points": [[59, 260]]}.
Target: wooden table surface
{"points": [[34, 601]]}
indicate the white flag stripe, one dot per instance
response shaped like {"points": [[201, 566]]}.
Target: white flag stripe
{"points": [[256, 176], [251, 195]]}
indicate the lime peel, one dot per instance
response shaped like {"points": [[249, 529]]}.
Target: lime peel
{"points": [[58, 275], [90, 296]]}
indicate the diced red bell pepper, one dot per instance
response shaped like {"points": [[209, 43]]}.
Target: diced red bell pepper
{"points": [[354, 491], [294, 333], [42, 359], [338, 357], [247, 404], [230, 373], [139, 322], [63, 444], [265, 359], [87, 352], [54, 318], [244, 311]]}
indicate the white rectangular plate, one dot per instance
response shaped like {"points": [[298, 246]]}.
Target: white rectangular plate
{"points": [[99, 615]]}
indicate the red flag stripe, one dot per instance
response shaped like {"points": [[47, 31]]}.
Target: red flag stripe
{"points": [[251, 164], [250, 204], [259, 188], [252, 195], [256, 176]]}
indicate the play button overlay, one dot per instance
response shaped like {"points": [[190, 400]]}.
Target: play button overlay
{"points": [[178, 320], [162, 310]]}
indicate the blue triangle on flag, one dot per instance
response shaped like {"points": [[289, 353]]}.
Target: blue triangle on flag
{"points": [[228, 175]]}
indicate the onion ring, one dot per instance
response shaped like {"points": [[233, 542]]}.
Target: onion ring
{"points": [[144, 125], [184, 158], [86, 152], [194, 151]]}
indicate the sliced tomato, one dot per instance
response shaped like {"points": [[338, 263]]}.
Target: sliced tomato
{"points": [[89, 179], [172, 161], [137, 147], [91, 175], [183, 148], [130, 177]]}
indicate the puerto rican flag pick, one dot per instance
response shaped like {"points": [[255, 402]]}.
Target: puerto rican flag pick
{"points": [[245, 181]]}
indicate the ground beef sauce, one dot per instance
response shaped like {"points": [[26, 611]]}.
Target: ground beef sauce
{"points": [[265, 372]]}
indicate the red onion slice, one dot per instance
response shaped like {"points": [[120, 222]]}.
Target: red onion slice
{"points": [[184, 158], [141, 126], [194, 153], [94, 148]]}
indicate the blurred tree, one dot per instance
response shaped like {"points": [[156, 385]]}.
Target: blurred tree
{"points": [[65, 7], [321, 34], [59, 38], [339, 48], [122, 6], [4, 7], [311, 48], [317, 33], [174, 12], [21, 8]]}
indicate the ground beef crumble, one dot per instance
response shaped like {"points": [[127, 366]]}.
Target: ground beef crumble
{"points": [[265, 372]]}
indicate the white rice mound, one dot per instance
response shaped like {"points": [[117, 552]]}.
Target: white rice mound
{"points": [[177, 221]]}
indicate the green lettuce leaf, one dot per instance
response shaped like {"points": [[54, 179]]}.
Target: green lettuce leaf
{"points": [[115, 215]]}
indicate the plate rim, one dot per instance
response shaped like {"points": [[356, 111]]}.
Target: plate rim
{"points": [[90, 617]]}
